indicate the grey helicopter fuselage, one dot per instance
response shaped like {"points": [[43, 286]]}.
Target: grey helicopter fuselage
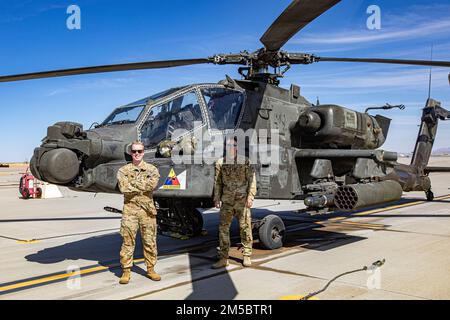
{"points": [[89, 160], [327, 155]]}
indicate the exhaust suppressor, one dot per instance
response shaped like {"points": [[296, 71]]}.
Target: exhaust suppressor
{"points": [[356, 196]]}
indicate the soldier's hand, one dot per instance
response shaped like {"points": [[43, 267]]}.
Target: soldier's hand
{"points": [[218, 204], [249, 203]]}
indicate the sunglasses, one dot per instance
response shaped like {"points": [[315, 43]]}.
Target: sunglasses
{"points": [[137, 151]]}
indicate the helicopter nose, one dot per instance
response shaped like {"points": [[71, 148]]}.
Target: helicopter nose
{"points": [[59, 166]]}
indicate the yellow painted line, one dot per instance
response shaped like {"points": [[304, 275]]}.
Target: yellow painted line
{"points": [[51, 278], [101, 268], [363, 225], [337, 218], [404, 205], [297, 297], [27, 241], [57, 277], [353, 224]]}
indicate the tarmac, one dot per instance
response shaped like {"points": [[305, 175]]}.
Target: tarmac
{"points": [[67, 248]]}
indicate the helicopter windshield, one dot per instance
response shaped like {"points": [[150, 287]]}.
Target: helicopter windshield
{"points": [[224, 107], [178, 113], [124, 115], [155, 97]]}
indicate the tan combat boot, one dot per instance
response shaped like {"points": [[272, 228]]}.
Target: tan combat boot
{"points": [[222, 263], [153, 275], [247, 261], [125, 278]]}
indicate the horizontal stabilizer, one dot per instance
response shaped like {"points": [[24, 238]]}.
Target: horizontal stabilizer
{"points": [[437, 169]]}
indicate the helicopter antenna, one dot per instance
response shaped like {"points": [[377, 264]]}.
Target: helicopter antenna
{"points": [[429, 79]]}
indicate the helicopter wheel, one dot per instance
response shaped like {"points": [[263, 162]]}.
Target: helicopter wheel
{"points": [[271, 232], [196, 222], [430, 195]]}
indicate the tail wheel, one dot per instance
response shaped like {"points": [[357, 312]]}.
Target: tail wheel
{"points": [[271, 232]]}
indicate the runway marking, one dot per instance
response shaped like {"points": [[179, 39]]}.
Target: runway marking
{"points": [[61, 276], [51, 278], [355, 224], [27, 241], [404, 205], [92, 270], [297, 297]]}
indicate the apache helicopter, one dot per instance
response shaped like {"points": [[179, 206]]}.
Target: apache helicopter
{"points": [[329, 154]]}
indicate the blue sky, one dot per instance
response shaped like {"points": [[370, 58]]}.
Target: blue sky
{"points": [[34, 37]]}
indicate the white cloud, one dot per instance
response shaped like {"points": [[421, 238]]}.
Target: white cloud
{"points": [[386, 34]]}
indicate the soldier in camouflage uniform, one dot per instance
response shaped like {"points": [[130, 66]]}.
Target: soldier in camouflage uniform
{"points": [[234, 192], [137, 180], [187, 146]]}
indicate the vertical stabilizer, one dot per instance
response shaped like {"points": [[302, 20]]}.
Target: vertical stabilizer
{"points": [[431, 115]]}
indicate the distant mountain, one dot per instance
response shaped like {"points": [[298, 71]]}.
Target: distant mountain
{"points": [[441, 151]]}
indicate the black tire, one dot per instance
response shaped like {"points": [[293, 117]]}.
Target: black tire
{"points": [[197, 222], [271, 232], [39, 192]]}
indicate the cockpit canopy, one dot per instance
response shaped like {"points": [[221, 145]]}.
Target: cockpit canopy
{"points": [[124, 115], [223, 106], [159, 115], [131, 112]]}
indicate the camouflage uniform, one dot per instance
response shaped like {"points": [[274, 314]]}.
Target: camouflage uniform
{"points": [[137, 184], [187, 145], [234, 184]]}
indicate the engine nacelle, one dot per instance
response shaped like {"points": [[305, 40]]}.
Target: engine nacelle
{"points": [[332, 126]]}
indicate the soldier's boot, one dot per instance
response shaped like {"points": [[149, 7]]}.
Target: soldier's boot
{"points": [[153, 275], [247, 261], [126, 274], [222, 263]]}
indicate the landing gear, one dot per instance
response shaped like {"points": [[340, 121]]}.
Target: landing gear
{"points": [[430, 195], [180, 218], [271, 232]]}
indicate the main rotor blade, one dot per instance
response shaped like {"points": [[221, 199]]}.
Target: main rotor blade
{"points": [[106, 68], [390, 61], [296, 16]]}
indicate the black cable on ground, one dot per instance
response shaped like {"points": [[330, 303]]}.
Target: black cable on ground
{"points": [[378, 264]]}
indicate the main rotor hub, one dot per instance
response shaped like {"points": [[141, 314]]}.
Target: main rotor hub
{"points": [[257, 63]]}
